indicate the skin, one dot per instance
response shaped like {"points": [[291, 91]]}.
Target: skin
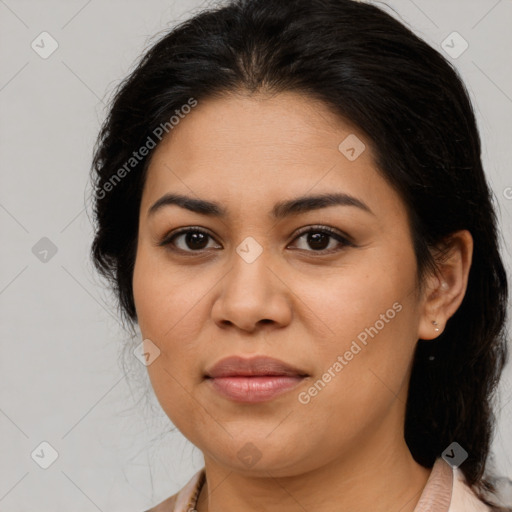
{"points": [[345, 449]]}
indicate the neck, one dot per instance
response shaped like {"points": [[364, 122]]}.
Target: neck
{"points": [[370, 478]]}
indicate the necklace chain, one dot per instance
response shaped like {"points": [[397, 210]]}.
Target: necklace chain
{"points": [[192, 504]]}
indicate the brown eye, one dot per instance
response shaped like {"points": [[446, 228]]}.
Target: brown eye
{"points": [[188, 240], [318, 241], [322, 239]]}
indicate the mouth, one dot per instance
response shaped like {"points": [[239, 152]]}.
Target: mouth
{"points": [[254, 389], [257, 379]]}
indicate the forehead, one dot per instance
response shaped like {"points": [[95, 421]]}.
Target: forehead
{"points": [[287, 126], [241, 149]]}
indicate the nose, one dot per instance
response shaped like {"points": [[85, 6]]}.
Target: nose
{"points": [[252, 294]]}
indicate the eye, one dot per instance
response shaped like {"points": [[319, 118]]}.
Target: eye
{"points": [[320, 237], [192, 240]]}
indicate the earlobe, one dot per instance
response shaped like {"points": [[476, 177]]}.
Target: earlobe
{"points": [[444, 292]]}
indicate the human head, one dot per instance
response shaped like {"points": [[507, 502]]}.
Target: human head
{"points": [[408, 103]]}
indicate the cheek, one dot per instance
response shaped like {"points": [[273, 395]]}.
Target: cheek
{"points": [[371, 316], [163, 300], [354, 298], [163, 294], [175, 395]]}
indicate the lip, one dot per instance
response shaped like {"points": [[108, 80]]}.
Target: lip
{"points": [[237, 366], [255, 379]]}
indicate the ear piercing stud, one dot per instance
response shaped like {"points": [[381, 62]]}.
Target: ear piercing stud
{"points": [[435, 325]]}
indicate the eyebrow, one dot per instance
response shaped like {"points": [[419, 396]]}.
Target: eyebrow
{"points": [[280, 210]]}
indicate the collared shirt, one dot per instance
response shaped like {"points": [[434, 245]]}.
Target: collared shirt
{"points": [[445, 491]]}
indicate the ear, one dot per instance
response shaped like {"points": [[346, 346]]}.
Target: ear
{"points": [[443, 292]]}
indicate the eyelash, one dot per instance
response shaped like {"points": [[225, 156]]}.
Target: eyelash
{"points": [[345, 242]]}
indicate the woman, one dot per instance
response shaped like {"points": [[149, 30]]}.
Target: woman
{"points": [[290, 203]]}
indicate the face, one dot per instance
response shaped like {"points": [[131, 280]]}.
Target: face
{"points": [[340, 305]]}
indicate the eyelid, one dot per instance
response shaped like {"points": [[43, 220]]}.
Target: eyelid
{"points": [[166, 240], [336, 233]]}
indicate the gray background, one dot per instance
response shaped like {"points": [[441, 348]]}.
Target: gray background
{"points": [[61, 355]]}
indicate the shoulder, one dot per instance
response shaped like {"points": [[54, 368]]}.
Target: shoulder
{"points": [[463, 497], [447, 491], [181, 501], [167, 505]]}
